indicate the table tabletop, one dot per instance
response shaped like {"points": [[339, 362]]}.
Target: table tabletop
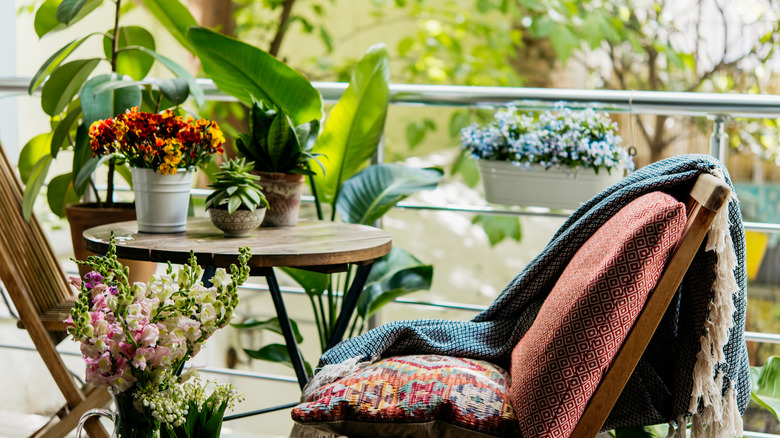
{"points": [[315, 245]]}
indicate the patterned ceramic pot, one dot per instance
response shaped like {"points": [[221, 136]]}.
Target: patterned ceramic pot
{"points": [[238, 224], [283, 192]]}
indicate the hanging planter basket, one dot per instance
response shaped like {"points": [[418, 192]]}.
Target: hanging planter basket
{"points": [[552, 188]]}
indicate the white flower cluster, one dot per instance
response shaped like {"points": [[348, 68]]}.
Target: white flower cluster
{"points": [[190, 398]]}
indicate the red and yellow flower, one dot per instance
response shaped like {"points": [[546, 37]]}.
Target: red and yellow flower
{"points": [[164, 142]]}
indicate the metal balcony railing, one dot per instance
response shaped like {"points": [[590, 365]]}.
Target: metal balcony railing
{"points": [[719, 108]]}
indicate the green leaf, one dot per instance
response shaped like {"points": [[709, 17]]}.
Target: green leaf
{"points": [[64, 83], [376, 189], [54, 61], [131, 62], [498, 228], [313, 283], [46, 16], [179, 71], [60, 192], [467, 168], [248, 73], [85, 172], [278, 136], [415, 134], [396, 274], [175, 17], [269, 324], [655, 431], [176, 90], [31, 153], [276, 353], [60, 133], [355, 124], [459, 120], [68, 10], [767, 391], [270, 353], [405, 45], [34, 184], [107, 104]]}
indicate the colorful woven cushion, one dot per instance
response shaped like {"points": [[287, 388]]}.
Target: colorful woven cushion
{"points": [[559, 362], [424, 395]]}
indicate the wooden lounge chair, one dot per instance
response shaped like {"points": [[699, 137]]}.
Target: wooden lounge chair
{"points": [[42, 297], [384, 398]]}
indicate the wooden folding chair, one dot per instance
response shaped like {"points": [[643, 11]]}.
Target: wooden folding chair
{"points": [[42, 297], [364, 397]]}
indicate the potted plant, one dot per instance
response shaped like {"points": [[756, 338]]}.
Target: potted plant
{"points": [[237, 204], [559, 160], [136, 338], [163, 151], [281, 153], [74, 96]]}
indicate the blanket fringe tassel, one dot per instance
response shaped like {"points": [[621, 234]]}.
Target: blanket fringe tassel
{"points": [[715, 414]]}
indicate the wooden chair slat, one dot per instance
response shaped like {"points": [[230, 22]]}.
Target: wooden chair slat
{"points": [[39, 290]]}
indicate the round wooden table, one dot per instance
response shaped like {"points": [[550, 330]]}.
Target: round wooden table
{"points": [[315, 245], [318, 246]]}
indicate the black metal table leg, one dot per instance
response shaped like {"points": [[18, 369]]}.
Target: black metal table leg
{"points": [[348, 307], [287, 332]]}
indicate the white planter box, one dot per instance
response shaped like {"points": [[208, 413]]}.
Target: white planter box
{"points": [[554, 188]]}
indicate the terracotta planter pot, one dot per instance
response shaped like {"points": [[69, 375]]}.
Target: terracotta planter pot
{"points": [[283, 192], [87, 215]]}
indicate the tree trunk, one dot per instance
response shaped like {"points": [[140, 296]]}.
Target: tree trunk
{"points": [[214, 14]]}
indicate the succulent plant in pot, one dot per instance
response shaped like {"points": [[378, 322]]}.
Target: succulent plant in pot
{"points": [[237, 204], [281, 152]]}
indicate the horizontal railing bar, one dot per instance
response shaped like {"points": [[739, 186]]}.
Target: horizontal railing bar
{"points": [[768, 338], [749, 434], [488, 210], [629, 101], [212, 370], [762, 227]]}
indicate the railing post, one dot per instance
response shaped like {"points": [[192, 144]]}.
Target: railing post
{"points": [[719, 141]]}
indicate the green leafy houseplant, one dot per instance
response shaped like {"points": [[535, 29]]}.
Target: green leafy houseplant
{"points": [[357, 191], [73, 98], [235, 187], [275, 145], [237, 204]]}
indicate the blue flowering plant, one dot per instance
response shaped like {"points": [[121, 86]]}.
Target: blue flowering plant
{"points": [[560, 138]]}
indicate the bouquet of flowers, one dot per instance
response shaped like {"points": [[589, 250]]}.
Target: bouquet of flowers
{"points": [[135, 338], [559, 138], [164, 142]]}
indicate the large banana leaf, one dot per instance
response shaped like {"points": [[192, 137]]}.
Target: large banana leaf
{"points": [[248, 73], [376, 189], [355, 125], [766, 388], [175, 17], [396, 274]]}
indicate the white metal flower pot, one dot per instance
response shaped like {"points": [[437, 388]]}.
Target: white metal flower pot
{"points": [[161, 201], [556, 188]]}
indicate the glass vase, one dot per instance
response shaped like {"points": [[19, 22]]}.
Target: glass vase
{"points": [[131, 419]]}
